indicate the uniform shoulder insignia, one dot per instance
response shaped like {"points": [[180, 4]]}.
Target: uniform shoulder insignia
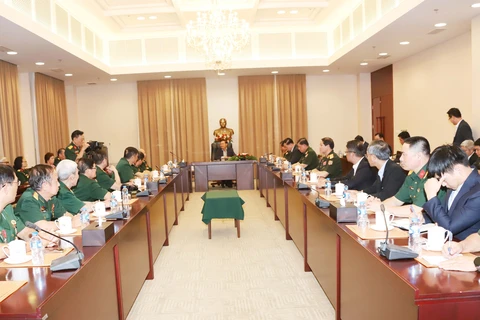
{"points": [[35, 196], [330, 156], [70, 147], [410, 172]]}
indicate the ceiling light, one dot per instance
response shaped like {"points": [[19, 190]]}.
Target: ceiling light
{"points": [[167, 77], [326, 70], [68, 74], [274, 72], [141, 18], [11, 53], [152, 17], [113, 79], [364, 63], [281, 11], [221, 73], [404, 43], [476, 5], [441, 24], [293, 11], [39, 63], [383, 54]]}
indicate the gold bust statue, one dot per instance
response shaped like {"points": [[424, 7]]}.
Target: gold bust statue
{"points": [[223, 130]]}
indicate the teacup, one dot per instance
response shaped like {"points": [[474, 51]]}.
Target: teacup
{"points": [[361, 197], [117, 194], [298, 169], [165, 167], [313, 177], [100, 209], [154, 174], [17, 249], [138, 182], [64, 223], [380, 220], [437, 236], [339, 188]]}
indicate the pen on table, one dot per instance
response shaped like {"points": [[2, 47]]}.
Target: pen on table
{"points": [[450, 243]]}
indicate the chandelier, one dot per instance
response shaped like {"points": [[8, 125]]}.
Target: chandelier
{"points": [[217, 34]]}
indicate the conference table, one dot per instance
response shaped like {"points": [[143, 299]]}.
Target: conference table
{"points": [[242, 171], [111, 276], [359, 283]]}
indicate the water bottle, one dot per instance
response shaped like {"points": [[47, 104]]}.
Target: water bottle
{"points": [[328, 187], [145, 180], [36, 246], [125, 201], [414, 239], [304, 176], [346, 194], [362, 217], [84, 217], [289, 167]]}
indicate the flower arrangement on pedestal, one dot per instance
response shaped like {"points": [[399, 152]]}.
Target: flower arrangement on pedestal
{"points": [[223, 137], [242, 156]]}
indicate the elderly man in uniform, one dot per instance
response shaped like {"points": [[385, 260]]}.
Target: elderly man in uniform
{"points": [[309, 157], [330, 164], [38, 204], [415, 156], [76, 149], [68, 177], [124, 166]]}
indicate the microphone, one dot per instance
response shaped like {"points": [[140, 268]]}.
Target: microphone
{"points": [[71, 261], [173, 154], [392, 251]]}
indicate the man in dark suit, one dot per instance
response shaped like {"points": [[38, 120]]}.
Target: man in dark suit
{"points": [[459, 210], [365, 143], [469, 148], [463, 131], [390, 175], [224, 153], [362, 175], [293, 155]]}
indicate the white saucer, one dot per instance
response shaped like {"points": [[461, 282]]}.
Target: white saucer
{"points": [[380, 228], [19, 260], [65, 232], [426, 247]]}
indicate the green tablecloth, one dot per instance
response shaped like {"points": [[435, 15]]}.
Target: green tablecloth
{"points": [[222, 205]]}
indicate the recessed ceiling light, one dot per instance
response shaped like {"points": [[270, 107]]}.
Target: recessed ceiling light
{"points": [[221, 73], [167, 77], [326, 70], [404, 43], [364, 63], [152, 17], [383, 54], [274, 72], [39, 63], [141, 18], [281, 11], [113, 79], [476, 5], [441, 24], [293, 11], [68, 74], [12, 53]]}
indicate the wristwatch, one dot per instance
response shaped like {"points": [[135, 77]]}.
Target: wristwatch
{"points": [[476, 262]]}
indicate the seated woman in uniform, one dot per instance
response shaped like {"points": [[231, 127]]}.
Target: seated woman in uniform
{"points": [[87, 188], [49, 159], [20, 166], [11, 226]]}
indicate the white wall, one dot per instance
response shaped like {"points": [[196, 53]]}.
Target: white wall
{"points": [[222, 97], [106, 113], [332, 109], [429, 83]]}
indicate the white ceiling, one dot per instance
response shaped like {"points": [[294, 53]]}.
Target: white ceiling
{"points": [[413, 26]]}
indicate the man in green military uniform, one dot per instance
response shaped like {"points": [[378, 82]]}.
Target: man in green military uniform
{"points": [[107, 175], [68, 177], [87, 188], [415, 156], [124, 166], [330, 164], [38, 204], [60, 156], [76, 149], [144, 165], [292, 154], [309, 156]]}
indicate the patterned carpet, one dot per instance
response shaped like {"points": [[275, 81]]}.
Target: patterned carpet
{"points": [[259, 276]]}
